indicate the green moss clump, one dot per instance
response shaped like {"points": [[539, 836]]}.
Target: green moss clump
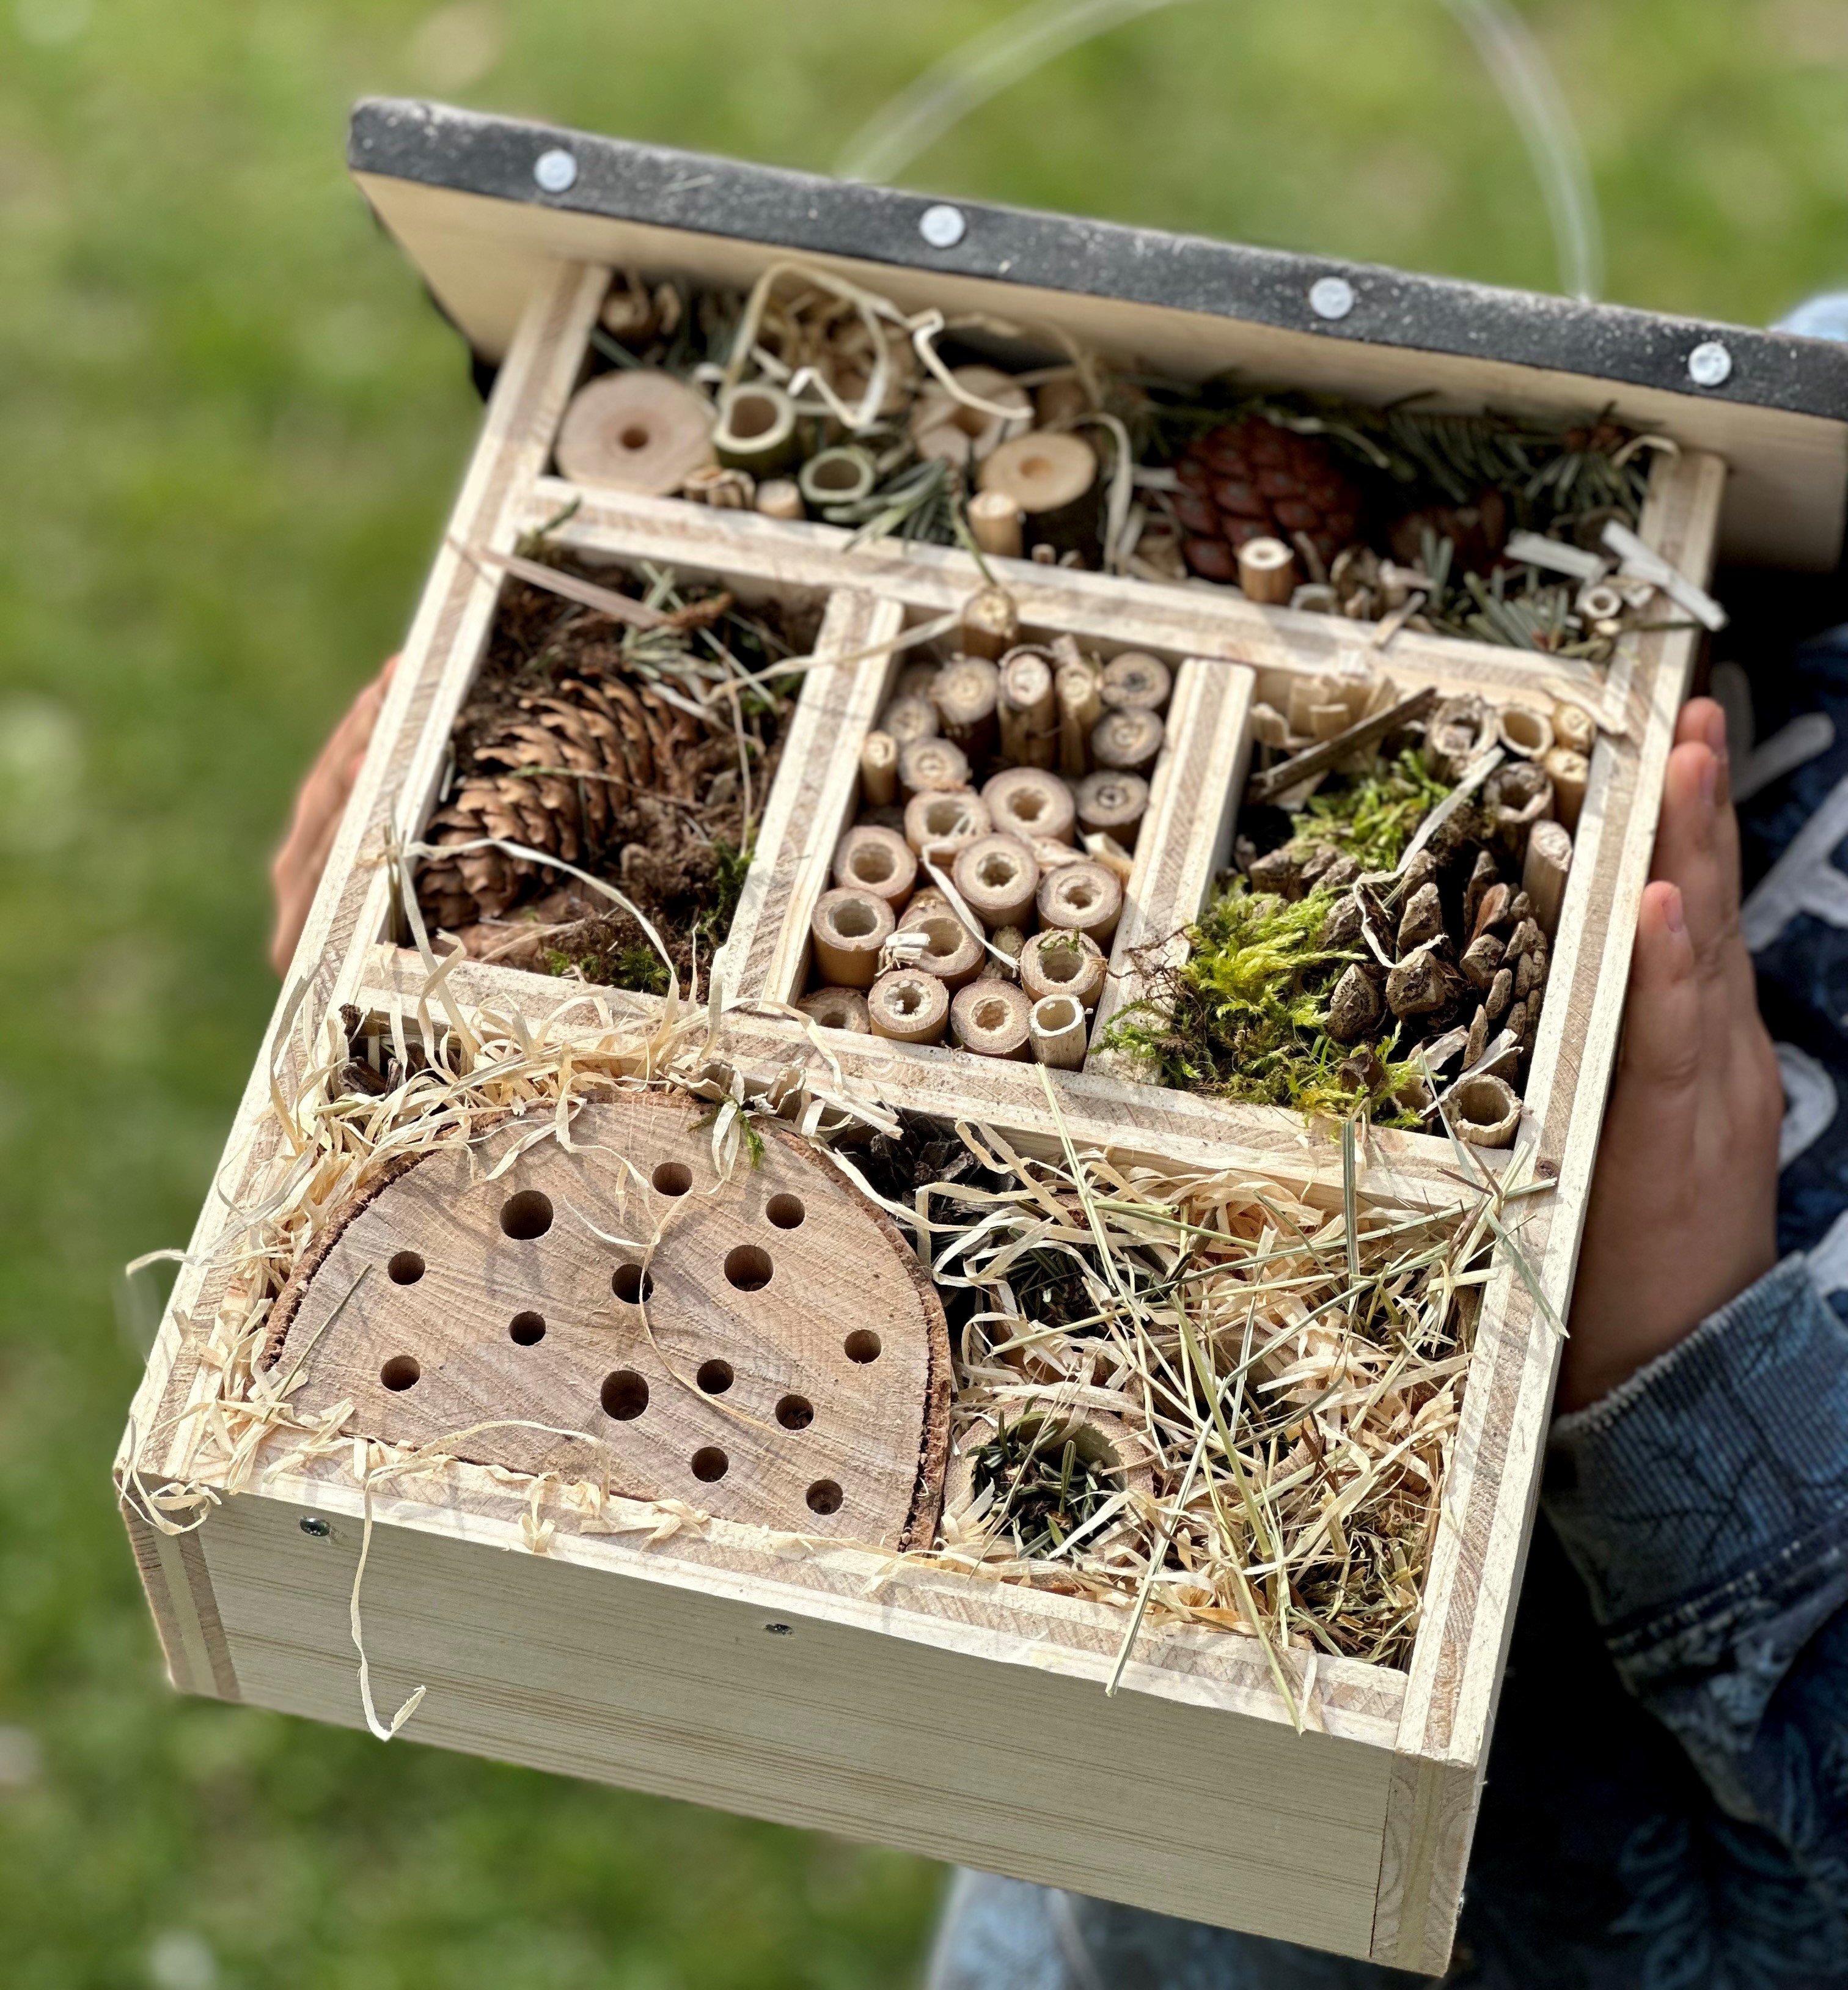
{"points": [[1372, 820]]}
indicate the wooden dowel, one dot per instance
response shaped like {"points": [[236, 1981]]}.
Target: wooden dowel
{"points": [[1317, 759]]}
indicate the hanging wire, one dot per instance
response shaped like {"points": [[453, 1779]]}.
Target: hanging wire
{"points": [[921, 113]]}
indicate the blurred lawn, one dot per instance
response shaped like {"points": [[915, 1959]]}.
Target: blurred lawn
{"points": [[229, 430]]}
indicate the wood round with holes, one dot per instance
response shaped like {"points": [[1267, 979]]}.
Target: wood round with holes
{"points": [[1063, 962], [746, 1353], [998, 876], [992, 1018], [878, 860], [848, 929], [1029, 802], [1081, 898], [908, 1006], [638, 431]]}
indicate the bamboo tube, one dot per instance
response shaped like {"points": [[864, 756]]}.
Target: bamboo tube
{"points": [[994, 522], [1060, 962], [1127, 741], [997, 877], [1133, 682], [1544, 875], [926, 765], [781, 498], [1055, 1028], [915, 680], [993, 1019], [1078, 689], [1267, 571], [849, 927], [943, 822], [1029, 716], [991, 623], [1031, 803], [1524, 732], [841, 476], [1460, 729], [1009, 940], [909, 1006], [1574, 727], [878, 860], [1081, 898], [1569, 771], [638, 429], [1485, 1111], [879, 770], [756, 428], [964, 692], [1518, 795], [1110, 803], [837, 1009], [909, 719], [1053, 478], [952, 952]]}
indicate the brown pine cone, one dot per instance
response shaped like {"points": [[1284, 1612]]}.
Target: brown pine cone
{"points": [[1253, 479], [1477, 531]]}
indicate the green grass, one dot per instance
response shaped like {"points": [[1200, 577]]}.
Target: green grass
{"points": [[229, 430]]}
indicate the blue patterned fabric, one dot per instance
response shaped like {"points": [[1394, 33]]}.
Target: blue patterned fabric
{"points": [[1666, 1806]]}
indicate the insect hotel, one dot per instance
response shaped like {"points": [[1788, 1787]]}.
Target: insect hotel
{"points": [[936, 1115]]}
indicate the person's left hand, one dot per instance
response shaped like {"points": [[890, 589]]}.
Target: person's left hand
{"points": [[295, 872]]}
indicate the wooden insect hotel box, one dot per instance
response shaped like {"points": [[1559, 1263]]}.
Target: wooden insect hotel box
{"points": [[935, 1114]]}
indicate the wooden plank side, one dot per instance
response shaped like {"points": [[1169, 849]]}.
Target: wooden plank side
{"points": [[1488, 1512], [179, 1588], [829, 1723]]}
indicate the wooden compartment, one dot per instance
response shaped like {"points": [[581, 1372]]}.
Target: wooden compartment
{"points": [[824, 1683]]}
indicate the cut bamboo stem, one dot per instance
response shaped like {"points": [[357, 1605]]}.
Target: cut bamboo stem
{"points": [[1078, 689], [993, 1019], [1028, 714], [1544, 875], [927, 765], [998, 879], [879, 770], [1063, 962], [849, 927], [909, 1006], [1267, 571], [878, 860], [1111, 804], [1031, 803], [1134, 682], [1127, 741], [837, 1009], [965, 691], [994, 522], [991, 624], [1326, 753], [941, 823], [1055, 1026]]}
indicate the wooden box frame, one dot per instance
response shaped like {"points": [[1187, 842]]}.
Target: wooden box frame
{"points": [[650, 1664]]}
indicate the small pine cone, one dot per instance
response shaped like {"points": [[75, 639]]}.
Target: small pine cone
{"points": [[1423, 919], [1418, 986], [1481, 960], [1501, 992], [1477, 1042], [1253, 479], [1530, 975], [1353, 1009]]}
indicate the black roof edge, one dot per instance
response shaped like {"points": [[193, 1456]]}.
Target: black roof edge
{"points": [[471, 152]]}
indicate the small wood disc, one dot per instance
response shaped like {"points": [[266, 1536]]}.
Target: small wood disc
{"points": [[1041, 472], [1081, 898], [1133, 682], [849, 927], [1030, 802], [993, 1019], [998, 876], [1062, 962], [1111, 804], [908, 1006], [952, 952], [837, 1009], [1127, 741], [878, 860], [942, 823], [926, 765], [639, 430]]}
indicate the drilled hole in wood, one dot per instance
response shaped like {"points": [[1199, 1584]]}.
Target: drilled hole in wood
{"points": [[714, 1377], [785, 1211], [709, 1463], [634, 436], [795, 1413], [673, 1178], [526, 1330], [824, 1497], [862, 1345], [400, 1372], [748, 1266], [631, 1284], [625, 1395], [406, 1268], [526, 1215]]}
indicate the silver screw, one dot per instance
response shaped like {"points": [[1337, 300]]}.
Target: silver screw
{"points": [[555, 171], [1331, 297], [1710, 365], [942, 226], [315, 1527], [780, 1630]]}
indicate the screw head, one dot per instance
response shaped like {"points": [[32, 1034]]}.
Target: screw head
{"points": [[1331, 297], [555, 171], [315, 1527], [781, 1630], [1710, 365], [942, 226]]}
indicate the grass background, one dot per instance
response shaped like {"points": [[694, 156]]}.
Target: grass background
{"points": [[230, 427]]}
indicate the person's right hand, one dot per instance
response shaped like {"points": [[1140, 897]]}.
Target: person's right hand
{"points": [[1682, 1215]]}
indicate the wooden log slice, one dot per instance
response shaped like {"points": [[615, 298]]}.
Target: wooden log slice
{"points": [[638, 431], [780, 1357]]}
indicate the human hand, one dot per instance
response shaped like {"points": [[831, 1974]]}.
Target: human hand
{"points": [[295, 871], [1682, 1215]]}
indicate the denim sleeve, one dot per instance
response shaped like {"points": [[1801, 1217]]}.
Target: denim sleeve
{"points": [[1705, 1504]]}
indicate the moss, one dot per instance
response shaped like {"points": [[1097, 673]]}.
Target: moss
{"points": [[1372, 819]]}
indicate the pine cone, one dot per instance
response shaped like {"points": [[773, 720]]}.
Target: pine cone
{"points": [[559, 772], [1476, 532], [1254, 479]]}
